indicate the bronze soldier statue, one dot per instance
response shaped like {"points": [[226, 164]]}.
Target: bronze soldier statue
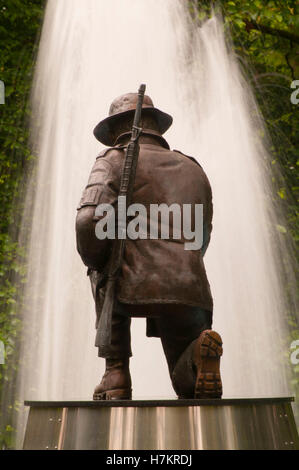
{"points": [[159, 279]]}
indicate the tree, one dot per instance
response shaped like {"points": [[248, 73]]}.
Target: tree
{"points": [[20, 23]]}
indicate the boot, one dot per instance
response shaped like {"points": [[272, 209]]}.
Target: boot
{"points": [[116, 382], [206, 358]]}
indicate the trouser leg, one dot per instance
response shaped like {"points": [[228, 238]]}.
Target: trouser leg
{"points": [[116, 382], [120, 347], [178, 335], [184, 373]]}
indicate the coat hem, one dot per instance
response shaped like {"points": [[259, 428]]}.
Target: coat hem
{"points": [[165, 301]]}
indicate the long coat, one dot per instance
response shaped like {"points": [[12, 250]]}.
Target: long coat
{"points": [[155, 272]]}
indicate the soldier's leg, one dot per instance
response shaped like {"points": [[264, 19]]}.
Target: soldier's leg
{"points": [[120, 330], [193, 353], [197, 372], [116, 381]]}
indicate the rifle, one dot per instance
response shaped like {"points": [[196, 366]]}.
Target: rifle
{"points": [[103, 338]]}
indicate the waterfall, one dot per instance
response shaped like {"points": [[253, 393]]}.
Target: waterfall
{"points": [[90, 52]]}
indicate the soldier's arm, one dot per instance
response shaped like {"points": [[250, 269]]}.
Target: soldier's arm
{"points": [[208, 216], [94, 252], [208, 206]]}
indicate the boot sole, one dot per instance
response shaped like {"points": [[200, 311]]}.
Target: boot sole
{"points": [[117, 394], [206, 357]]}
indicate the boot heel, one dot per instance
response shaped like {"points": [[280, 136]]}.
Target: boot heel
{"points": [[117, 394], [207, 353], [120, 394]]}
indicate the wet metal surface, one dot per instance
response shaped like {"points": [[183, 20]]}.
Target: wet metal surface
{"points": [[162, 425]]}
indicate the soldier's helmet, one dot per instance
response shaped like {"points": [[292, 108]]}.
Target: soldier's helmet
{"points": [[123, 107]]}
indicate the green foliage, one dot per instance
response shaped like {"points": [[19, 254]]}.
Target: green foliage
{"points": [[19, 26]]}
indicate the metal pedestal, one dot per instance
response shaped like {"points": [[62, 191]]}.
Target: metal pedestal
{"points": [[263, 423]]}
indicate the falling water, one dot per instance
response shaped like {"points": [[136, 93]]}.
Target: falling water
{"points": [[90, 52]]}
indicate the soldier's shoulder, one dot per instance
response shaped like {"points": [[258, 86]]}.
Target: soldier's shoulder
{"points": [[108, 151], [187, 156]]}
